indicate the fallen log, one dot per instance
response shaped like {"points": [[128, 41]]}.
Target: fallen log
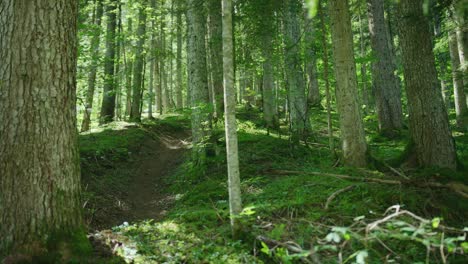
{"points": [[458, 188]]}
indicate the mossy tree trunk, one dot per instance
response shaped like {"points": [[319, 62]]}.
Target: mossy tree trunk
{"points": [[458, 85], [432, 140], [40, 170], [354, 144]]}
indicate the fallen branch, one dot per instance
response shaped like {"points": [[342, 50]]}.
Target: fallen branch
{"points": [[291, 246], [335, 194], [458, 188]]}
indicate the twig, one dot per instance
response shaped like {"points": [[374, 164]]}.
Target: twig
{"points": [[397, 172], [335, 194]]}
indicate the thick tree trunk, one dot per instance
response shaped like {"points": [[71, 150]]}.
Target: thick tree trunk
{"points": [[458, 85], [235, 201], [179, 84], [386, 85], [432, 142], [197, 78], [352, 129], [85, 125], [108, 97], [299, 121], [216, 50], [135, 114], [40, 170]]}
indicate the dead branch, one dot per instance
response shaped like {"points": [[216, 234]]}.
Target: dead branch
{"points": [[335, 194], [456, 187]]}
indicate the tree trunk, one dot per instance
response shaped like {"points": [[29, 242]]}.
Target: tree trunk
{"points": [[299, 121], [40, 171], [108, 97], [216, 49], [179, 85], [135, 114], [365, 90], [85, 125], [313, 94], [235, 202], [458, 85], [386, 85], [127, 49], [432, 142], [118, 48], [197, 78], [152, 58], [331, 140], [163, 70], [270, 112], [352, 130]]}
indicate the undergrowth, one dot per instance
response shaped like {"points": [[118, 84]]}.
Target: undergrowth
{"points": [[289, 211]]}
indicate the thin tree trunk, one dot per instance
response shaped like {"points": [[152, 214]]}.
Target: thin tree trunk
{"points": [[179, 85], [118, 89], [135, 114], [352, 129], [108, 97], [235, 201], [152, 61], [128, 67], [365, 90], [331, 141], [85, 125], [313, 94], [458, 86], [386, 85], [432, 143], [40, 203]]}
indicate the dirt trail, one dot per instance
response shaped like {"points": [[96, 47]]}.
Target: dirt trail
{"points": [[156, 160]]}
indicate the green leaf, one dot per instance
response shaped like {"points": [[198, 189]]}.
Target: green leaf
{"points": [[436, 222]]}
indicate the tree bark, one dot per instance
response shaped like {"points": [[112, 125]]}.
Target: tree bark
{"points": [[313, 94], [85, 125], [151, 94], [216, 50], [266, 30], [179, 85], [299, 121], [386, 85], [197, 78], [127, 50], [352, 129], [40, 170], [135, 114], [108, 97], [235, 201], [432, 142]]}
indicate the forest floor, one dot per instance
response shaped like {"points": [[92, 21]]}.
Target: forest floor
{"points": [[149, 204]]}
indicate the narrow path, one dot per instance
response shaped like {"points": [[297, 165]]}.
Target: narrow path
{"points": [[157, 158]]}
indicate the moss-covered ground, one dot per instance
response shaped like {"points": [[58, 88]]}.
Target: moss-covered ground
{"points": [[288, 209]]}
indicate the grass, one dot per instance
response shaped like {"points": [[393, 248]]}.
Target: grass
{"points": [[281, 207]]}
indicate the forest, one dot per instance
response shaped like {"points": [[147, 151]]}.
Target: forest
{"points": [[233, 131]]}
